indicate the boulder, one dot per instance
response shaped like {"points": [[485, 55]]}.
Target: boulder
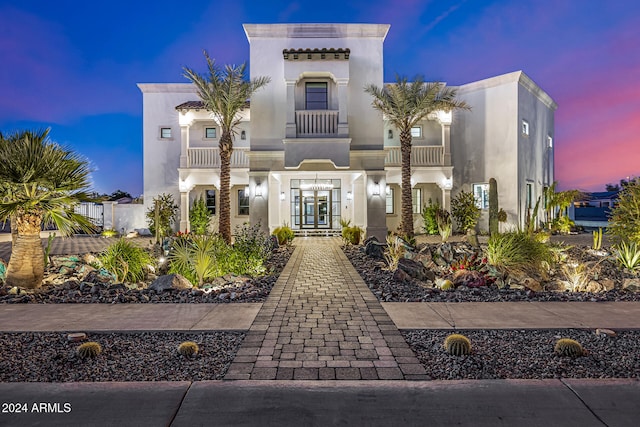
{"points": [[594, 287], [469, 278], [375, 249], [370, 239], [445, 252], [100, 276], [91, 259], [631, 285], [531, 284], [169, 282], [132, 234], [608, 284], [143, 232], [416, 270], [555, 286]]}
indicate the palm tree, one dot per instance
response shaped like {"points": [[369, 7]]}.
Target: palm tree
{"points": [[404, 104], [225, 93], [42, 181]]}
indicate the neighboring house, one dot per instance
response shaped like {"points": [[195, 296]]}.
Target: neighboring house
{"points": [[311, 150], [593, 210]]}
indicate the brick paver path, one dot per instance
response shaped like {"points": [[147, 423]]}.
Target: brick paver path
{"points": [[321, 322]]}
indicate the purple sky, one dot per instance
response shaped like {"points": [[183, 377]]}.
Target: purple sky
{"points": [[74, 66]]}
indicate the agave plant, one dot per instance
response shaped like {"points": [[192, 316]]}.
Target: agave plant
{"points": [[628, 255]]}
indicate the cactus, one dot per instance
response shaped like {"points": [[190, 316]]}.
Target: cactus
{"points": [[89, 349], [493, 207], [567, 347], [457, 345], [597, 239], [188, 348], [447, 285]]}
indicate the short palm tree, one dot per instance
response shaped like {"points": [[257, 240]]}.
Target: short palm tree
{"points": [[404, 104], [225, 93], [41, 183]]}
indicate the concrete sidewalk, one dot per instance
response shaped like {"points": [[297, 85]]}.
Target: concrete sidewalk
{"points": [[488, 403]]}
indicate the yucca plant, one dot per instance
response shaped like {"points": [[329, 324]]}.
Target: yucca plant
{"points": [[393, 252], [196, 258], [127, 262], [628, 255]]}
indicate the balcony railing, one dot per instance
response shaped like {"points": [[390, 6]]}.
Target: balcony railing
{"points": [[210, 158], [316, 123], [420, 156]]}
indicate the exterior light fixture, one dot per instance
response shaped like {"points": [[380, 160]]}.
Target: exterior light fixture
{"points": [[246, 190], [258, 190], [282, 196], [243, 135], [390, 134], [387, 190], [349, 195], [376, 189]]}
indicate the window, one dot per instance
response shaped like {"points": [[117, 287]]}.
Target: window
{"points": [[210, 133], [549, 141], [165, 133], [529, 201], [389, 201], [416, 200], [316, 96], [481, 194], [525, 127], [211, 201], [243, 202], [416, 132]]}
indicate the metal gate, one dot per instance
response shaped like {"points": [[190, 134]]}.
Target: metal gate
{"points": [[94, 212]]}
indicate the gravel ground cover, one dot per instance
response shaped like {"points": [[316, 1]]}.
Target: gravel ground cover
{"points": [[50, 357], [387, 289], [527, 354]]}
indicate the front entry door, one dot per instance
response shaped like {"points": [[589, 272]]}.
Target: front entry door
{"points": [[316, 209]]}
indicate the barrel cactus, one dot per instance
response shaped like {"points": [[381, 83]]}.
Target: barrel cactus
{"points": [[567, 347], [457, 345], [89, 349], [188, 348]]}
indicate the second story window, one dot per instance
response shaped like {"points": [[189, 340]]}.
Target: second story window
{"points": [[416, 132], [165, 133], [210, 133], [316, 96]]}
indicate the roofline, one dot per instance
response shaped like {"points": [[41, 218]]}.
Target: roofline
{"points": [[167, 87], [255, 31]]}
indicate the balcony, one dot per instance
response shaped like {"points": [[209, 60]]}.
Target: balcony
{"points": [[210, 158], [420, 156], [317, 123]]}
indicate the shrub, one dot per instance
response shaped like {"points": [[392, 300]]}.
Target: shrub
{"points": [[127, 262], [188, 348], [284, 234], [628, 255], [562, 225], [199, 217], [352, 234], [89, 349], [251, 249], [430, 223], [457, 345], [567, 347], [393, 252], [625, 216], [465, 211], [517, 251], [166, 216], [196, 258], [443, 219], [109, 233]]}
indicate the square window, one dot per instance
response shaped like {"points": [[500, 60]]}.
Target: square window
{"points": [[389, 201], [416, 200], [243, 202], [165, 133], [211, 201], [481, 194], [210, 133], [416, 132], [525, 127]]}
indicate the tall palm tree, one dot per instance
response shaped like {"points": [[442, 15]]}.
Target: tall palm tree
{"points": [[225, 93], [42, 182], [404, 104]]}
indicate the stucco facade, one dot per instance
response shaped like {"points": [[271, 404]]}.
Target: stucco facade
{"points": [[311, 150]]}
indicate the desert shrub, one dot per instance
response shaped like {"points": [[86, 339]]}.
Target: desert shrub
{"points": [[199, 217], [127, 262], [562, 225], [628, 255], [352, 234], [89, 349], [250, 250], [393, 252], [430, 224], [188, 348], [443, 221], [167, 214], [517, 251], [625, 216], [196, 258], [109, 233], [465, 211], [284, 234]]}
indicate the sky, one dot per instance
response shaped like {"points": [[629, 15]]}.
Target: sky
{"points": [[74, 65]]}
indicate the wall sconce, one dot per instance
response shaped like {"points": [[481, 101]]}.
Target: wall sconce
{"points": [[376, 189], [349, 195], [282, 196], [243, 135], [387, 190], [246, 191], [390, 134], [258, 189]]}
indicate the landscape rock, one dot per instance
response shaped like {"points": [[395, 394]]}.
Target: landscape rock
{"points": [[605, 332], [169, 282], [375, 249], [416, 270], [98, 276], [445, 252], [631, 285], [608, 284], [3, 269], [531, 284]]}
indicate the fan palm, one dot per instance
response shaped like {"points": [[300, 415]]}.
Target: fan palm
{"points": [[405, 104], [41, 183], [225, 93]]}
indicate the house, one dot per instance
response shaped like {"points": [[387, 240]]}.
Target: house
{"points": [[593, 209], [311, 150]]}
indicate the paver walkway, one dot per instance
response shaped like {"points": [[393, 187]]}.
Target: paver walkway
{"points": [[322, 322]]}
